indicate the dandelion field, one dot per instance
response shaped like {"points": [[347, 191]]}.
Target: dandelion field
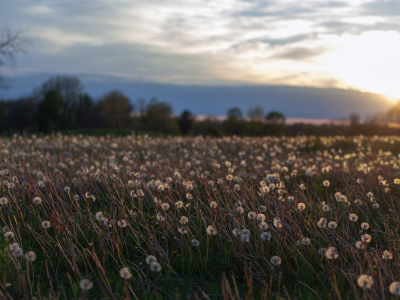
{"points": [[141, 217]]}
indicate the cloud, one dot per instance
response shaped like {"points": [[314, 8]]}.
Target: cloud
{"points": [[181, 41], [300, 53], [383, 8]]}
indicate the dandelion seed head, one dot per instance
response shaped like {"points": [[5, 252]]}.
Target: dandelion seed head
{"points": [[36, 200], [331, 253], [85, 284], [332, 225], [266, 236], [125, 273], [195, 243], [366, 238], [394, 288], [322, 223], [276, 260], [46, 224], [155, 266], [30, 256], [353, 217], [213, 204], [122, 223], [365, 281]]}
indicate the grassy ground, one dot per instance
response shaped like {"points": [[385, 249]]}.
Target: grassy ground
{"points": [[196, 218]]}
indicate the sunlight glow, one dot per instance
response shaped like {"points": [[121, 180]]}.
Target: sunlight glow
{"points": [[369, 62]]}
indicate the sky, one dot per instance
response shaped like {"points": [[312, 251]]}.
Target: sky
{"points": [[350, 44]]}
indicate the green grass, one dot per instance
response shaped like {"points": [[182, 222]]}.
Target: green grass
{"points": [[125, 175]]}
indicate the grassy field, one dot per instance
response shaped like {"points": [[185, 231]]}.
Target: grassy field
{"points": [[139, 217]]}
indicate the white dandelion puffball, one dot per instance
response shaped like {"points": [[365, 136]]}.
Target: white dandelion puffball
{"points": [[179, 204], [332, 225], [3, 200], [263, 226], [331, 253], [160, 217], [99, 216], [266, 236], [184, 220], [394, 288], [365, 281], [36, 200], [17, 252], [322, 223], [213, 204], [326, 183], [353, 217], [195, 243], [364, 226], [301, 206], [260, 217], [183, 230], [277, 223], [9, 234], [46, 224], [252, 215], [85, 284], [125, 273], [387, 255], [276, 260], [245, 231], [245, 238], [30, 256], [366, 238], [236, 232], [360, 245], [122, 223], [211, 230], [262, 208], [150, 259], [155, 266]]}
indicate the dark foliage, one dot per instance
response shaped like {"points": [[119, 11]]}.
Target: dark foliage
{"points": [[185, 122]]}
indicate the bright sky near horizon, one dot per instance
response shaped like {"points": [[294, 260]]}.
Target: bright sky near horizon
{"points": [[346, 44]]}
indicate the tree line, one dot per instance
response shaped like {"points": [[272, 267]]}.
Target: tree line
{"points": [[61, 104]]}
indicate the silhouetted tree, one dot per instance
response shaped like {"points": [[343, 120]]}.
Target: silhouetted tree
{"points": [[234, 123], [11, 43], [158, 117], [115, 110], [73, 106], [276, 121], [234, 112], [255, 113], [210, 126], [49, 112], [185, 122]]}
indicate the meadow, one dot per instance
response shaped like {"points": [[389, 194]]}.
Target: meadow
{"points": [[139, 217]]}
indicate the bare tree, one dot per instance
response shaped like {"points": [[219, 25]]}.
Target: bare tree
{"points": [[11, 43]]}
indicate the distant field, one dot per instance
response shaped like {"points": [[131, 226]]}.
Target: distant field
{"points": [[140, 217]]}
